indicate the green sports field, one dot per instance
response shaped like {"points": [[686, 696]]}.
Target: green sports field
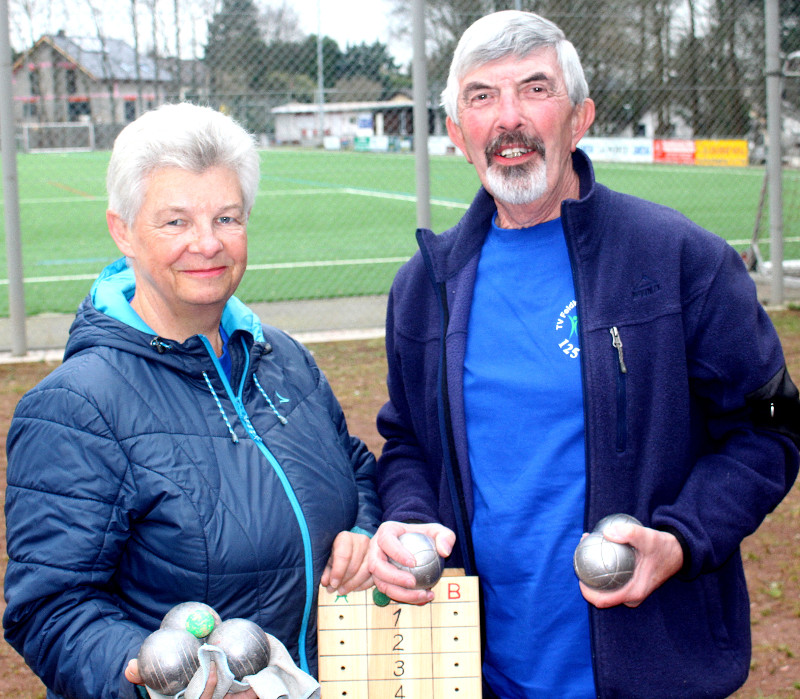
{"points": [[327, 223]]}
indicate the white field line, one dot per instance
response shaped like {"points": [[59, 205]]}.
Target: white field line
{"points": [[277, 265], [254, 268], [296, 265], [276, 193], [762, 241]]}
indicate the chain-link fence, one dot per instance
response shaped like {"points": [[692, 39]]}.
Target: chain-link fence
{"points": [[679, 87]]}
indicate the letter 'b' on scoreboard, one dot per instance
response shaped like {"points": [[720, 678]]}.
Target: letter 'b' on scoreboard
{"points": [[401, 651]]}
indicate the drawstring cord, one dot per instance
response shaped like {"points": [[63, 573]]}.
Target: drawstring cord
{"points": [[159, 345], [280, 417], [234, 438]]}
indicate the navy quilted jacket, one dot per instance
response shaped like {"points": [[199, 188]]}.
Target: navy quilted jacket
{"points": [[690, 424], [139, 477]]}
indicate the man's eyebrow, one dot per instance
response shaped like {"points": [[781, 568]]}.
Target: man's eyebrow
{"points": [[475, 85], [539, 76]]}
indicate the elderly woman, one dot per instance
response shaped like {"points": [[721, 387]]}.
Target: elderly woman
{"points": [[183, 450]]}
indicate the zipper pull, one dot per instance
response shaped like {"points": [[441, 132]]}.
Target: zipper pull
{"points": [[616, 340]]}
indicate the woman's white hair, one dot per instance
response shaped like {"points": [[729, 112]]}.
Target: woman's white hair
{"points": [[185, 136], [512, 33]]}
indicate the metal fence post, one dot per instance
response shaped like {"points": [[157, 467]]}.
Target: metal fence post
{"points": [[775, 151], [420, 77], [16, 294]]}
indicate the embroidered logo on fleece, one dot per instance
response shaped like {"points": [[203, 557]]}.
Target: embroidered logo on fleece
{"points": [[645, 287], [567, 327]]}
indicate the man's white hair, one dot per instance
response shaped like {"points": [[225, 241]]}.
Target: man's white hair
{"points": [[512, 33]]}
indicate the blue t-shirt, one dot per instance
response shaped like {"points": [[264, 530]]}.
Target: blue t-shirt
{"points": [[525, 433]]}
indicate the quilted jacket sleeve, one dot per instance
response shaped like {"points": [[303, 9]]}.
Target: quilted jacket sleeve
{"points": [[361, 458], [67, 526]]}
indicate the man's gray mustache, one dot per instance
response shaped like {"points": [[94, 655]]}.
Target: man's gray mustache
{"points": [[514, 139]]}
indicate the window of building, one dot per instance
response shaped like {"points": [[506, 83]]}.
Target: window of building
{"points": [[79, 109], [36, 87]]}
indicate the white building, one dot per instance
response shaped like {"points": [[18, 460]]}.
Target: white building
{"points": [[298, 123]]}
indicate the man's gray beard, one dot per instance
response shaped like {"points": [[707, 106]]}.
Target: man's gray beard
{"points": [[517, 184]]}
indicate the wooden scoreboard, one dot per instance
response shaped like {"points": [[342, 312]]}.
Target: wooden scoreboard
{"points": [[372, 649]]}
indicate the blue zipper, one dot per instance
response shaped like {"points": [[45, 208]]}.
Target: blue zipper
{"points": [[238, 405]]}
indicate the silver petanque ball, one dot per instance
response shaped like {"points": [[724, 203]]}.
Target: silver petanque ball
{"points": [[245, 645], [168, 660], [609, 520], [195, 617], [603, 564], [429, 564]]}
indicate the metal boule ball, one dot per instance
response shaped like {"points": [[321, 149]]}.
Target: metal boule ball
{"points": [[603, 564], [245, 644], [619, 518], [429, 564], [168, 660], [195, 617]]}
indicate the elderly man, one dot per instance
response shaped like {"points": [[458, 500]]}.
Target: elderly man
{"points": [[566, 352]]}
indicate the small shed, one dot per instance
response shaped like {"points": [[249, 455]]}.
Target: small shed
{"points": [[306, 123]]}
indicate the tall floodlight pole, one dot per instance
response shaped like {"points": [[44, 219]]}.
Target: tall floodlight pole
{"points": [[16, 294], [320, 77], [775, 151], [420, 78]]}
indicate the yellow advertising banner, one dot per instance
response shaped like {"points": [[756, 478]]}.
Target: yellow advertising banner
{"points": [[731, 153]]}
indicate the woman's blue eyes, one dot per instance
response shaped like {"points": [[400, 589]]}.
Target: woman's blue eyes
{"points": [[222, 220]]}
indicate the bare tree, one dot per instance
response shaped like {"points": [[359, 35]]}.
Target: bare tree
{"points": [[200, 11], [23, 14], [694, 67], [177, 69], [280, 22], [137, 51], [156, 61], [31, 19], [104, 57]]}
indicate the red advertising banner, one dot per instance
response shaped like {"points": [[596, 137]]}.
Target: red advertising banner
{"points": [[674, 150]]}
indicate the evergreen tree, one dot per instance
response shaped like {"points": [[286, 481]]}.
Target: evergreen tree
{"points": [[234, 49]]}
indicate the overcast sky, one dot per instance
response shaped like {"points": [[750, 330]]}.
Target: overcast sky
{"points": [[346, 21], [350, 22]]}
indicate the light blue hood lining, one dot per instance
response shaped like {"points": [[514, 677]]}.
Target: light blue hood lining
{"points": [[113, 290]]}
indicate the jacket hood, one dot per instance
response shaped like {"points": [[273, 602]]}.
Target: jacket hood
{"points": [[105, 318]]}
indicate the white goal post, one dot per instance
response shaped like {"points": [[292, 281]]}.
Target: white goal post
{"points": [[790, 194], [57, 137]]}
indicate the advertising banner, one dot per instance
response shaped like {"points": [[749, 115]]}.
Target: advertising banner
{"points": [[618, 150], [731, 153], [679, 151]]}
